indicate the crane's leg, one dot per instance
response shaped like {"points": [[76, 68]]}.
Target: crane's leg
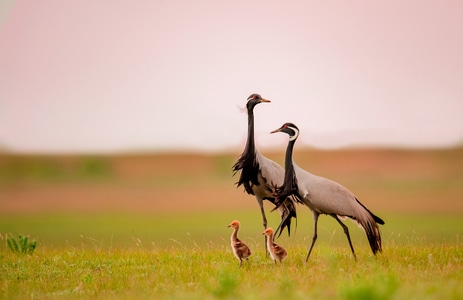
{"points": [[264, 218], [260, 201], [346, 231], [314, 237]]}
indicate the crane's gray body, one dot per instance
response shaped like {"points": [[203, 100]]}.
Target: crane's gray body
{"points": [[270, 176], [325, 196], [261, 176]]}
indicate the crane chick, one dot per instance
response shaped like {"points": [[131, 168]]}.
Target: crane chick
{"points": [[240, 249], [276, 251]]}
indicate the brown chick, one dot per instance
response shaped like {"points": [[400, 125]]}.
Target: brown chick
{"points": [[240, 249], [276, 251]]}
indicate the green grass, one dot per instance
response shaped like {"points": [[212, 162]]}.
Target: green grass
{"points": [[179, 256], [406, 272], [174, 255]]}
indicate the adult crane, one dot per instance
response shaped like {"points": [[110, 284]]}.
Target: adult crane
{"points": [[324, 196], [259, 175]]}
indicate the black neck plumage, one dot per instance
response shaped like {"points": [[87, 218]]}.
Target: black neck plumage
{"points": [[290, 177], [289, 186], [289, 167], [250, 148], [247, 163]]}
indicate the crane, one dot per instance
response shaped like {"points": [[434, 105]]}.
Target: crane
{"points": [[261, 176], [324, 196]]}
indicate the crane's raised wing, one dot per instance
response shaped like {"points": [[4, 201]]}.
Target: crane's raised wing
{"points": [[272, 175]]}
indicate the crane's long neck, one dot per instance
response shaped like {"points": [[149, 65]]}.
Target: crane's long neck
{"points": [[247, 163], [250, 145], [290, 183]]}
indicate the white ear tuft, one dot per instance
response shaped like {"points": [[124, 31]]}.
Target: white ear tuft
{"points": [[241, 109], [296, 134]]}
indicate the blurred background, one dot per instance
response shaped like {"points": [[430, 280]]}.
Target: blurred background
{"points": [[122, 119]]}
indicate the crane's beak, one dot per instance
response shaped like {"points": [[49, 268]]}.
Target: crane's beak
{"points": [[265, 100], [276, 130]]}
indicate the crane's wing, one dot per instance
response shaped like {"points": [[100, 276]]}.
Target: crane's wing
{"points": [[324, 195], [329, 197], [272, 175], [272, 172]]}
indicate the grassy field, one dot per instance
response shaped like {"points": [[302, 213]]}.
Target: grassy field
{"points": [[188, 256], [146, 226]]}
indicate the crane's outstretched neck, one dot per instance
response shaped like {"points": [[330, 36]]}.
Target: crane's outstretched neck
{"points": [[252, 167], [289, 186], [289, 167], [247, 162], [250, 147]]}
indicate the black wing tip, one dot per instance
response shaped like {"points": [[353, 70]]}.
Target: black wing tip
{"points": [[375, 217], [284, 224], [286, 218], [374, 237], [378, 220]]}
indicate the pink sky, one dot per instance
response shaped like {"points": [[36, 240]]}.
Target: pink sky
{"points": [[96, 76]]}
